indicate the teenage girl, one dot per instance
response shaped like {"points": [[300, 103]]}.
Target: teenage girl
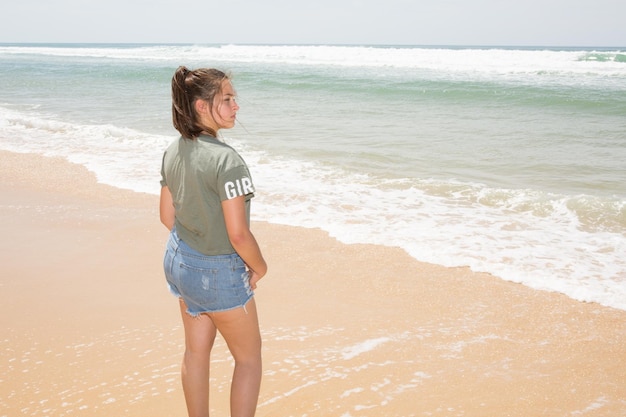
{"points": [[212, 261]]}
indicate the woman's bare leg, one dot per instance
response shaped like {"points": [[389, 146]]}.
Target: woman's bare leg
{"points": [[199, 338], [240, 329]]}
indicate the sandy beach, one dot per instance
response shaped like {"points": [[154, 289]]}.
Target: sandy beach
{"points": [[89, 328]]}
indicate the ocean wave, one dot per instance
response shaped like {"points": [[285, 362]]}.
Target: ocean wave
{"points": [[450, 60], [595, 56], [107, 150], [548, 241], [366, 143], [543, 240]]}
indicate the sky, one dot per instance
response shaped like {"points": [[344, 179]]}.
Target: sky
{"points": [[361, 22]]}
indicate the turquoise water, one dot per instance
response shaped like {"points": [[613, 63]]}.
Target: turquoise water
{"points": [[507, 160]]}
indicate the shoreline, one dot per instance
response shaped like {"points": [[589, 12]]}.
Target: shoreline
{"points": [[347, 329]]}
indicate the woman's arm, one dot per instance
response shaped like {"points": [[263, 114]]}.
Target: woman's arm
{"points": [[242, 238], [166, 208]]}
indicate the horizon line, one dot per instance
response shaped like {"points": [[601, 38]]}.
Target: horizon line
{"points": [[319, 44]]}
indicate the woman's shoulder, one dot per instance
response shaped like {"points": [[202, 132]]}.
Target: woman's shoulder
{"points": [[216, 150]]}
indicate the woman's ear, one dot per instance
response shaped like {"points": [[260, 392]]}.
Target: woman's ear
{"points": [[201, 106]]}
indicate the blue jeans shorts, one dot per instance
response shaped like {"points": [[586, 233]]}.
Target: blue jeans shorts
{"points": [[207, 284]]}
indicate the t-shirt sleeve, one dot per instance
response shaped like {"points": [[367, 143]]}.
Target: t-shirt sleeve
{"points": [[235, 182], [163, 182]]}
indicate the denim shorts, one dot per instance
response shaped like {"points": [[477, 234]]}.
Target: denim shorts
{"points": [[207, 284]]}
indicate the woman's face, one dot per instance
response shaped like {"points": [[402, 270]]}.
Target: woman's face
{"points": [[225, 107]]}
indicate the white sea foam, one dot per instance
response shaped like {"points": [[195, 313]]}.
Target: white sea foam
{"points": [[547, 251], [474, 61], [520, 235], [118, 156], [365, 346]]}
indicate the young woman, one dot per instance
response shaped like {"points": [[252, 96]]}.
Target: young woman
{"points": [[212, 261]]}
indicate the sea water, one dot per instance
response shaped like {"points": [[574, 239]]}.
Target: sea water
{"points": [[510, 161]]}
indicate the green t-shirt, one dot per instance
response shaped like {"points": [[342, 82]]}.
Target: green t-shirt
{"points": [[200, 174]]}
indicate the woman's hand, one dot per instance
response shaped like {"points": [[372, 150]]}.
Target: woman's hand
{"points": [[254, 278]]}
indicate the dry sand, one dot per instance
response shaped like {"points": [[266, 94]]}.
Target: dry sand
{"points": [[89, 328]]}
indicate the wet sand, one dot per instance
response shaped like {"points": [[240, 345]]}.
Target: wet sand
{"points": [[89, 328]]}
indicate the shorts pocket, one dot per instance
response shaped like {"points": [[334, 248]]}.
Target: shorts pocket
{"points": [[200, 285]]}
